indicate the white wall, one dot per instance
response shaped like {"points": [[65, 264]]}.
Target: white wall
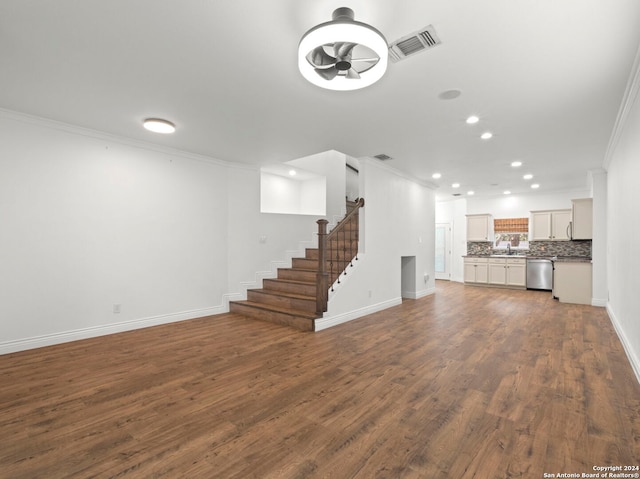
{"points": [[623, 221], [284, 195], [600, 238], [519, 206], [89, 221], [398, 220], [453, 212], [332, 166]]}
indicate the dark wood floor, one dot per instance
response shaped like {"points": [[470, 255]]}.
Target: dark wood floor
{"points": [[470, 382]]}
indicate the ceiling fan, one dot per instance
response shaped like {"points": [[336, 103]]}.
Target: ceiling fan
{"points": [[343, 54]]}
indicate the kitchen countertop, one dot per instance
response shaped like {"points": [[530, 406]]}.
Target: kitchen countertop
{"points": [[573, 259]]}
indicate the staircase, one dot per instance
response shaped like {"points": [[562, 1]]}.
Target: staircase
{"points": [[298, 296]]}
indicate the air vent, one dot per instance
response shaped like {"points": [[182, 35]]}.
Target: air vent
{"points": [[456, 194], [419, 41], [383, 157]]}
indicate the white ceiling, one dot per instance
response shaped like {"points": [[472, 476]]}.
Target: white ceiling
{"points": [[545, 76]]}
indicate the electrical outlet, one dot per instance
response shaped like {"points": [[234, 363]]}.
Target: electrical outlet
{"points": [[263, 239], [116, 308]]}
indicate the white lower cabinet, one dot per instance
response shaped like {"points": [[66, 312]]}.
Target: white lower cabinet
{"points": [[572, 282], [511, 272], [475, 270], [517, 272]]}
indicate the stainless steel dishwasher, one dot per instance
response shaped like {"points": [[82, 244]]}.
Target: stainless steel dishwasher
{"points": [[540, 274]]}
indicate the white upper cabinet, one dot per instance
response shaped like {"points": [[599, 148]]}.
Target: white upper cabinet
{"points": [[480, 227], [550, 225], [582, 220]]}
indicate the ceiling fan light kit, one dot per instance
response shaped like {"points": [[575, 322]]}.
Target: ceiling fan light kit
{"points": [[343, 54]]}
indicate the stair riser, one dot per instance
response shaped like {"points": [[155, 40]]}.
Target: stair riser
{"points": [[272, 316], [308, 289], [302, 263], [291, 303], [297, 275], [312, 253]]}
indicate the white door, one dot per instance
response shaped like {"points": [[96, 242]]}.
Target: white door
{"points": [[443, 251]]}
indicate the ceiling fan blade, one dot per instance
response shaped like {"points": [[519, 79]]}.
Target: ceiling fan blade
{"points": [[372, 60], [343, 49], [353, 74], [327, 73], [319, 58], [362, 65]]}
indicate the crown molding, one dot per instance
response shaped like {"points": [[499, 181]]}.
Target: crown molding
{"points": [[100, 135], [380, 165], [628, 101]]}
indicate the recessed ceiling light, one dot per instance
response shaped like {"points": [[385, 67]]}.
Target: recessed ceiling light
{"points": [[507, 192], [455, 185], [486, 135], [473, 119], [471, 193], [528, 176], [292, 172], [535, 186], [436, 176], [158, 125], [516, 164]]}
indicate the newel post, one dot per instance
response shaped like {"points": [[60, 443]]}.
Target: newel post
{"points": [[322, 284]]}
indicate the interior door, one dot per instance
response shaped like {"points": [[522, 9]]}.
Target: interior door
{"points": [[443, 251]]}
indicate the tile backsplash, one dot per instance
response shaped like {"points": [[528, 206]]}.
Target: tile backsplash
{"points": [[537, 248]]}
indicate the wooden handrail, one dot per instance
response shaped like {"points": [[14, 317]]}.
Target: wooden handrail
{"points": [[338, 249]]}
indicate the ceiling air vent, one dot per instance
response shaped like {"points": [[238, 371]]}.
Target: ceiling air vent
{"points": [[383, 157], [419, 41]]}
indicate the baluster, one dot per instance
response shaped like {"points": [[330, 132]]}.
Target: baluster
{"points": [[321, 276]]}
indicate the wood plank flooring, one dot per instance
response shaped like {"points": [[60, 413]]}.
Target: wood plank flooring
{"points": [[467, 383]]}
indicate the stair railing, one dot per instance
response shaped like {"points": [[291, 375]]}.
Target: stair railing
{"points": [[336, 252]]}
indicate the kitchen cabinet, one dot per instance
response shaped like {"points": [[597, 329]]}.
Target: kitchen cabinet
{"points": [[508, 272], [582, 219], [475, 270], [480, 227], [550, 225], [572, 282]]}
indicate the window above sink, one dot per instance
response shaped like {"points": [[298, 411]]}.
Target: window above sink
{"points": [[510, 240], [511, 234]]}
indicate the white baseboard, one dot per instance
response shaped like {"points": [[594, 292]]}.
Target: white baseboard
{"points": [[330, 321], [86, 333], [600, 303], [631, 354], [418, 294]]}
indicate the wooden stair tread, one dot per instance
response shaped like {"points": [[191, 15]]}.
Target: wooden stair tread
{"points": [[291, 281], [278, 309]]}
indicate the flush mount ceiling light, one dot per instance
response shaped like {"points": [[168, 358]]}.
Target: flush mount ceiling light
{"points": [[158, 125], [343, 54], [486, 135]]}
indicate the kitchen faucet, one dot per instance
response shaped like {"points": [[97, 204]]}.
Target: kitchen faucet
{"points": [[509, 248]]}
